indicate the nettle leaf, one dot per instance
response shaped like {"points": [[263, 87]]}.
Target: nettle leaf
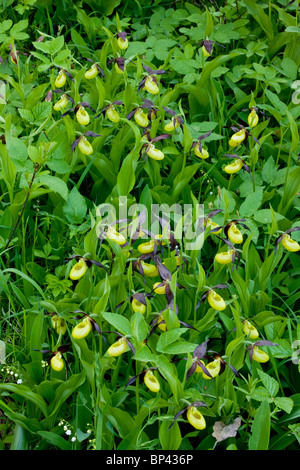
{"points": [[284, 403], [252, 203], [75, 208], [55, 184], [269, 382]]}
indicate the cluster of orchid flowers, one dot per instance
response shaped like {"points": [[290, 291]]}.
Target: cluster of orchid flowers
{"points": [[151, 250]]}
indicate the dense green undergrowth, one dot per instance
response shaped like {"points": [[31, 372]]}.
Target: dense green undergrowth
{"points": [[193, 147]]}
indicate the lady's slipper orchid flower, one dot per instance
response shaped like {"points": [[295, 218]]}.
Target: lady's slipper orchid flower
{"points": [[111, 112], [213, 226], [207, 46], [82, 116], [147, 247], [257, 354], [224, 257], [147, 269], [161, 323], [216, 301], [213, 368], [199, 151], [122, 40], [60, 79], [194, 417], [237, 138], [61, 103], [149, 148], [82, 329], [78, 270], [151, 381], [234, 167], [141, 118], [83, 144], [59, 324], [119, 64], [115, 236], [287, 242], [93, 71], [57, 362], [250, 329], [234, 234], [159, 288], [149, 83], [138, 306], [118, 348], [175, 122]]}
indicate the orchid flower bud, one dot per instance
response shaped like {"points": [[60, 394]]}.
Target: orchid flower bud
{"points": [[117, 69], [59, 324], [253, 118]]}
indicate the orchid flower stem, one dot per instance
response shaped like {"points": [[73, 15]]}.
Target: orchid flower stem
{"points": [[229, 183]]}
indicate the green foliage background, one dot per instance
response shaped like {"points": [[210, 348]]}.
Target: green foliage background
{"points": [[48, 200]]}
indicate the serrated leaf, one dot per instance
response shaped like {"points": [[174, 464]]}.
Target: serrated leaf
{"points": [[75, 208]]}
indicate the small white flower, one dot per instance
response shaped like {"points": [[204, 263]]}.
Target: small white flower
{"points": [[19, 381], [68, 432], [73, 439]]}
